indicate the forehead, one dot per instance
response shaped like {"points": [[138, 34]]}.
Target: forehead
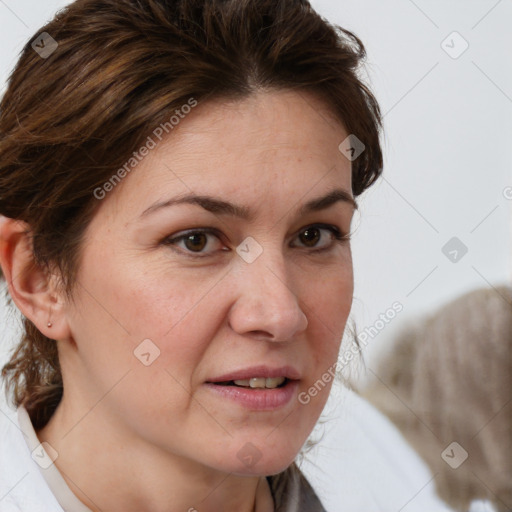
{"points": [[268, 146]]}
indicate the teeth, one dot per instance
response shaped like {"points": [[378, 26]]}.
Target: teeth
{"points": [[274, 382], [261, 382], [244, 382], [258, 382]]}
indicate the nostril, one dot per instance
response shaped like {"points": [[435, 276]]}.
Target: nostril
{"points": [[263, 335]]}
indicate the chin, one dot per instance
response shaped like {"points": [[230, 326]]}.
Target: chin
{"points": [[249, 462]]}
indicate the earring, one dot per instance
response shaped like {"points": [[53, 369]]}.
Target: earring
{"points": [[49, 324]]}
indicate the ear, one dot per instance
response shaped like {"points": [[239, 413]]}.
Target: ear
{"points": [[33, 290]]}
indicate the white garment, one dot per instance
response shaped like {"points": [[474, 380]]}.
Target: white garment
{"points": [[482, 506], [364, 464], [22, 485]]}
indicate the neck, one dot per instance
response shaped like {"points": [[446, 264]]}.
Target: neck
{"points": [[110, 469]]}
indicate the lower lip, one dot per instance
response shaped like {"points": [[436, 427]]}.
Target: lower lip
{"points": [[258, 399]]}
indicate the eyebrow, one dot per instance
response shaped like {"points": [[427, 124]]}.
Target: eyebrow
{"points": [[218, 206]]}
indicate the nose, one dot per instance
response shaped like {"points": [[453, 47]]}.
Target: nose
{"points": [[266, 306]]}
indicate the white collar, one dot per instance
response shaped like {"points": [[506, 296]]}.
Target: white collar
{"points": [[58, 486]]}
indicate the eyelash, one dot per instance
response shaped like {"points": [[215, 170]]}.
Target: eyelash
{"points": [[339, 237]]}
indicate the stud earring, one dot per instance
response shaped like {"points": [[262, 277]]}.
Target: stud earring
{"points": [[49, 324]]}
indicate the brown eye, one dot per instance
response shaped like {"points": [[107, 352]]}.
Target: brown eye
{"points": [[195, 241], [310, 236]]}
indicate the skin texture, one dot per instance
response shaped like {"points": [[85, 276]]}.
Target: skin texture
{"points": [[132, 437]]}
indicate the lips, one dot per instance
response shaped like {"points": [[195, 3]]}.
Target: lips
{"points": [[261, 399], [283, 382]]}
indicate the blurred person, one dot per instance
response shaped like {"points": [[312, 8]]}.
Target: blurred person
{"points": [[452, 368]]}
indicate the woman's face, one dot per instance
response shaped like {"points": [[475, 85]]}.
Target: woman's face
{"points": [[267, 290]]}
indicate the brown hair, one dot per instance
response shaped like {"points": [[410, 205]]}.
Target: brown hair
{"points": [[70, 119]]}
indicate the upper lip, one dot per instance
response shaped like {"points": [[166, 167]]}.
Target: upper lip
{"points": [[259, 371]]}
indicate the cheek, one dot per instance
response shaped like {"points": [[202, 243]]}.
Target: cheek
{"points": [[140, 301], [328, 300], [119, 306], [328, 303], [178, 317]]}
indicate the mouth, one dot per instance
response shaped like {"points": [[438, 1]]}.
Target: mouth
{"points": [[260, 376], [256, 383], [259, 388]]}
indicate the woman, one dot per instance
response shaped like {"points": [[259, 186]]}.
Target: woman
{"points": [[178, 181]]}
